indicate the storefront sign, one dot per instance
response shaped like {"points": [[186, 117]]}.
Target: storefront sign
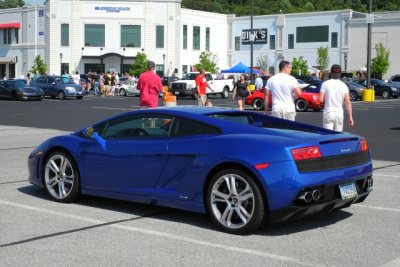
{"points": [[259, 35], [112, 9]]}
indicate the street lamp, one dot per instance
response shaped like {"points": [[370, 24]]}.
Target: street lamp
{"points": [[61, 56], [251, 41], [163, 56], [369, 20], [345, 61]]}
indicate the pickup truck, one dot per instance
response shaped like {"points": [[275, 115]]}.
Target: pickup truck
{"points": [[187, 86]]}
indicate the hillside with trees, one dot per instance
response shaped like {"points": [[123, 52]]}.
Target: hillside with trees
{"points": [[267, 7]]}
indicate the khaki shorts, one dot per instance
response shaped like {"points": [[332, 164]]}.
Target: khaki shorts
{"points": [[287, 114], [201, 100]]}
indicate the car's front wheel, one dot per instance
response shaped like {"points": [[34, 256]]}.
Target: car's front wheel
{"points": [[225, 93], [234, 202], [353, 96], [61, 95], [258, 104], [61, 177], [301, 105], [122, 92], [385, 94]]}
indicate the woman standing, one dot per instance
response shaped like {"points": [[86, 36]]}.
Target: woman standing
{"points": [[241, 91]]}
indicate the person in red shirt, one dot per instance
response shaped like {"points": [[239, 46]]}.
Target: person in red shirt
{"points": [[149, 85], [201, 87]]}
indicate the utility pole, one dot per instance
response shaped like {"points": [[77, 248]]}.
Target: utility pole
{"points": [[369, 21], [251, 41]]}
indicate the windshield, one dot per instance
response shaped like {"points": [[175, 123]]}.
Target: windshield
{"points": [[380, 82], [189, 76], [16, 84], [65, 80]]}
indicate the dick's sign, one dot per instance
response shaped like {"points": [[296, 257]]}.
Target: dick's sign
{"points": [[260, 36]]}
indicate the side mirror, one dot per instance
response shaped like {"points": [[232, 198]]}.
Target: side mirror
{"points": [[88, 132]]}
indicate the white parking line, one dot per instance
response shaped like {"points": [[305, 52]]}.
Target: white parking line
{"points": [[165, 235], [384, 175]]}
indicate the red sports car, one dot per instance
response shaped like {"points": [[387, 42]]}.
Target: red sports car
{"points": [[307, 100]]}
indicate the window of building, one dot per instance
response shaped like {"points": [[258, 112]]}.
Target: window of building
{"points": [[7, 36], [184, 45], [272, 42], [312, 34], [16, 35], [131, 36], [334, 39], [64, 34], [95, 35], [290, 41], [196, 38], [160, 70], [159, 36], [207, 39], [237, 43]]}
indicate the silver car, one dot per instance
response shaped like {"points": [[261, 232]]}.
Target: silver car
{"points": [[129, 87]]}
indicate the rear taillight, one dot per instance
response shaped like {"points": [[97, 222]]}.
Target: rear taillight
{"points": [[364, 145], [310, 152]]}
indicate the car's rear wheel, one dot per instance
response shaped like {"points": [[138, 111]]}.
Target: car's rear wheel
{"points": [[225, 93], [258, 104], [353, 96], [61, 95], [122, 92], [79, 97], [61, 177], [301, 105], [234, 202], [385, 94], [14, 95]]}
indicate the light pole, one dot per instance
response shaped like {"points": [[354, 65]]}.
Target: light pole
{"points": [[163, 57], [369, 20], [251, 41]]}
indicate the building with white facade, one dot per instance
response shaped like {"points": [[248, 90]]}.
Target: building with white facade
{"points": [[83, 35]]}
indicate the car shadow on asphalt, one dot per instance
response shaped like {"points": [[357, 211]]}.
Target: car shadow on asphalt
{"points": [[190, 218]]}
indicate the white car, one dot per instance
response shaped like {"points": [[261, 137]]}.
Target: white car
{"points": [[129, 87]]}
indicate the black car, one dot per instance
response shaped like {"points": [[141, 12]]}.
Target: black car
{"points": [[167, 80], [381, 88], [58, 86], [19, 90], [309, 78]]}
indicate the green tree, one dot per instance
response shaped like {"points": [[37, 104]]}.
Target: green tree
{"points": [[139, 65], [299, 66], [208, 61], [380, 64], [322, 58], [38, 64], [262, 62], [11, 3]]}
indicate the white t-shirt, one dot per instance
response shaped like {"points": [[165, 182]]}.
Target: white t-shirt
{"points": [[258, 83], [335, 91], [282, 87]]}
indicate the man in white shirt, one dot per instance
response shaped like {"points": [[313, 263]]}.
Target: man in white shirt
{"points": [[284, 88], [258, 82], [333, 93]]}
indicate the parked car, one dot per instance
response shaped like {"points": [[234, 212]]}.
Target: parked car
{"points": [[128, 88], [395, 81], [187, 86], [191, 160], [58, 86], [309, 78], [381, 88], [307, 100], [167, 80], [302, 83], [355, 90], [18, 90]]}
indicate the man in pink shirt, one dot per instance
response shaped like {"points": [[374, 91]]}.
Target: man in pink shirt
{"points": [[149, 85]]}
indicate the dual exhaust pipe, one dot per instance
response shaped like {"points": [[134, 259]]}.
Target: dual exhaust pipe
{"points": [[309, 196]]}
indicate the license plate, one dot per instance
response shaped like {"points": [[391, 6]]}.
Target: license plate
{"points": [[348, 190], [176, 92]]}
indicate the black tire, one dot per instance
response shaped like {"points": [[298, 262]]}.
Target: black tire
{"points": [[61, 177], [61, 95], [225, 93], [385, 94], [258, 104], [240, 216], [354, 96], [79, 97], [14, 95], [122, 92], [395, 96], [301, 105]]}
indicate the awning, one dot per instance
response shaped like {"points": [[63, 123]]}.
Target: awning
{"points": [[7, 59], [9, 25]]}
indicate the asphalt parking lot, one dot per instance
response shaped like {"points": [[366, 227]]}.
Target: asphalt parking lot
{"points": [[38, 232]]}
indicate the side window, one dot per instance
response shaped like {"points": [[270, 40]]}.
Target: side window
{"points": [[42, 80], [209, 77], [136, 127], [396, 79], [50, 80], [183, 127]]}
